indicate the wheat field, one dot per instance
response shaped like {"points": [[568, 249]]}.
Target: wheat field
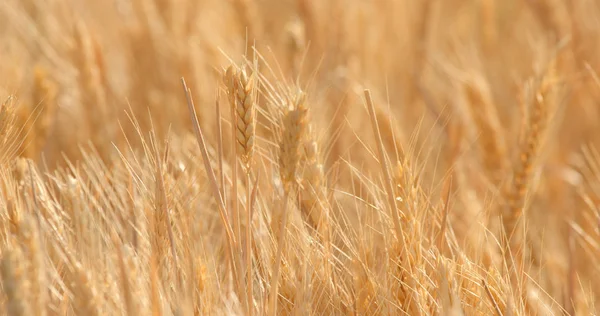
{"points": [[299, 157]]}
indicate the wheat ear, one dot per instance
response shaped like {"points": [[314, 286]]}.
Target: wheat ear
{"points": [[294, 130], [313, 185], [240, 86], [530, 150]]}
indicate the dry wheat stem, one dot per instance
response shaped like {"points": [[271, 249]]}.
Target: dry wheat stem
{"points": [[231, 241], [232, 84]]}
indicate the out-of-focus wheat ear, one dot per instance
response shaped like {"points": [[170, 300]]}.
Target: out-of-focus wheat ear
{"points": [[485, 118], [14, 282], [314, 198], [229, 80], [37, 118], [294, 130], [313, 184], [30, 239], [295, 43], [307, 15], [92, 89], [512, 217]]}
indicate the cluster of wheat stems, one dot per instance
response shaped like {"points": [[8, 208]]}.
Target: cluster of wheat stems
{"points": [[341, 157]]}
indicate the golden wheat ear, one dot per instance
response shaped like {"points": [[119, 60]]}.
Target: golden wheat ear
{"points": [[35, 118], [313, 196], [240, 84], [294, 130], [313, 193]]}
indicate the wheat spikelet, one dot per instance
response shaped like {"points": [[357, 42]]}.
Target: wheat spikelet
{"points": [[87, 60]]}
